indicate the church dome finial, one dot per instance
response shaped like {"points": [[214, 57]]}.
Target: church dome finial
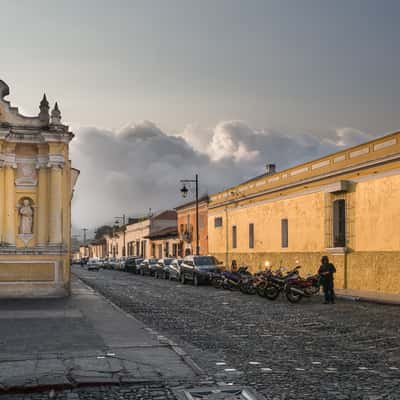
{"points": [[56, 115], [44, 110]]}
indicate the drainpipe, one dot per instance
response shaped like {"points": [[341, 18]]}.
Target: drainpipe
{"points": [[226, 237]]}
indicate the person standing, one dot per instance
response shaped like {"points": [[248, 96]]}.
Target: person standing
{"points": [[326, 271]]}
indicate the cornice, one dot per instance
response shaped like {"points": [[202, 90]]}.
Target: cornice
{"points": [[338, 172]]}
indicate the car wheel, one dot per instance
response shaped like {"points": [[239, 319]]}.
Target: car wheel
{"points": [[182, 278], [195, 280]]}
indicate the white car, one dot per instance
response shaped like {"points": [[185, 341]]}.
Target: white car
{"points": [[92, 264]]}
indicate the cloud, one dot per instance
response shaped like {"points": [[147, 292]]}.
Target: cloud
{"points": [[140, 166]]}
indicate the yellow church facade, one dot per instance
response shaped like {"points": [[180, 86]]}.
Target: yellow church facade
{"points": [[36, 187], [345, 205]]}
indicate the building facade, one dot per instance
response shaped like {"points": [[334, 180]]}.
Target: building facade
{"points": [[165, 243], [186, 214], [345, 205], [36, 187], [135, 237]]}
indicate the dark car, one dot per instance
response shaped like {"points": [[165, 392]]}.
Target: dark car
{"points": [[173, 270], [162, 264], [148, 266], [132, 264], [198, 269]]}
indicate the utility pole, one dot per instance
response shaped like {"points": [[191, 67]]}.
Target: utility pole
{"points": [[184, 192]]}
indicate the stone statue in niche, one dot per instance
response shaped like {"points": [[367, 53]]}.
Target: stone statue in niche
{"points": [[26, 218]]}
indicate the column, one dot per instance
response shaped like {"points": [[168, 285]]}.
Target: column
{"points": [[55, 234], [10, 206], [42, 207], [2, 191]]}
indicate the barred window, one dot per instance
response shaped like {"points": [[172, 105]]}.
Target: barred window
{"points": [[234, 237], [285, 232], [339, 223], [251, 236], [217, 222]]}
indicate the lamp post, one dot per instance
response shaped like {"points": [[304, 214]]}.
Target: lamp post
{"points": [[117, 219], [185, 192]]}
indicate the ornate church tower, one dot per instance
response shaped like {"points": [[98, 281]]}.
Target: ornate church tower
{"points": [[36, 186]]}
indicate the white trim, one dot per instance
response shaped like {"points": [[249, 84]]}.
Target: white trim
{"points": [[383, 145], [360, 152], [320, 164]]}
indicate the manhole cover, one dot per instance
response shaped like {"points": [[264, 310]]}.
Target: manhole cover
{"points": [[219, 393]]}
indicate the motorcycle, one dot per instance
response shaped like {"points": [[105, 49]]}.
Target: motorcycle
{"points": [[228, 280], [296, 287], [276, 282]]}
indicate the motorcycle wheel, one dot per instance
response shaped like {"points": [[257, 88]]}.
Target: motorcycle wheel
{"points": [[313, 290], [216, 283], [271, 292], [292, 297], [261, 290]]}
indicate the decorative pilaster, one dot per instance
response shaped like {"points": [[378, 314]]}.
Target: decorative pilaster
{"points": [[55, 222], [42, 210], [2, 192], [10, 205]]}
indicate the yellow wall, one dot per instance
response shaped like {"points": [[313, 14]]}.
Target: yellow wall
{"points": [[371, 258]]}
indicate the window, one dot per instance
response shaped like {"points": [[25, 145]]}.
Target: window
{"points": [[339, 223], [234, 237], [217, 222], [285, 232], [251, 236]]}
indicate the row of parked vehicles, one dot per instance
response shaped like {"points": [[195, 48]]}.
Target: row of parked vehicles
{"points": [[191, 268], [206, 269]]}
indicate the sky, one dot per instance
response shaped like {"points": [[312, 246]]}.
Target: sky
{"points": [[156, 91]]}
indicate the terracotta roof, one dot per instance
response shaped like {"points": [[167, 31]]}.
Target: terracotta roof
{"points": [[201, 200], [171, 231]]}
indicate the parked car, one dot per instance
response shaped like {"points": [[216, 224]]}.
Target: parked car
{"points": [[198, 269], [120, 263], [161, 267], [132, 264], [112, 263], [173, 270], [92, 264], [148, 266]]}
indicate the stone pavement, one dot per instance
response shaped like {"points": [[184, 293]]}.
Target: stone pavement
{"points": [[368, 296], [347, 351], [82, 340]]}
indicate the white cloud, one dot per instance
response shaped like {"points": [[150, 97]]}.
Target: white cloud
{"points": [[140, 166]]}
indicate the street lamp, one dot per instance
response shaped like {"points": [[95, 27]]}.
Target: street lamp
{"points": [[185, 192], [117, 220]]}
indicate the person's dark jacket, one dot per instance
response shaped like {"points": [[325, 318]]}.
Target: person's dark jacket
{"points": [[326, 271]]}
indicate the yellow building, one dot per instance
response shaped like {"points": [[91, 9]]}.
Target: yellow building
{"points": [[346, 205], [36, 186]]}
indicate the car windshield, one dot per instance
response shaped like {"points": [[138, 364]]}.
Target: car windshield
{"points": [[206, 260], [167, 261], [153, 261]]}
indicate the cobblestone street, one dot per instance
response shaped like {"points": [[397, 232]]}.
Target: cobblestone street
{"points": [[347, 351]]}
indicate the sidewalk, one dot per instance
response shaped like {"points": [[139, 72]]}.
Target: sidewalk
{"points": [[82, 340], [368, 296]]}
